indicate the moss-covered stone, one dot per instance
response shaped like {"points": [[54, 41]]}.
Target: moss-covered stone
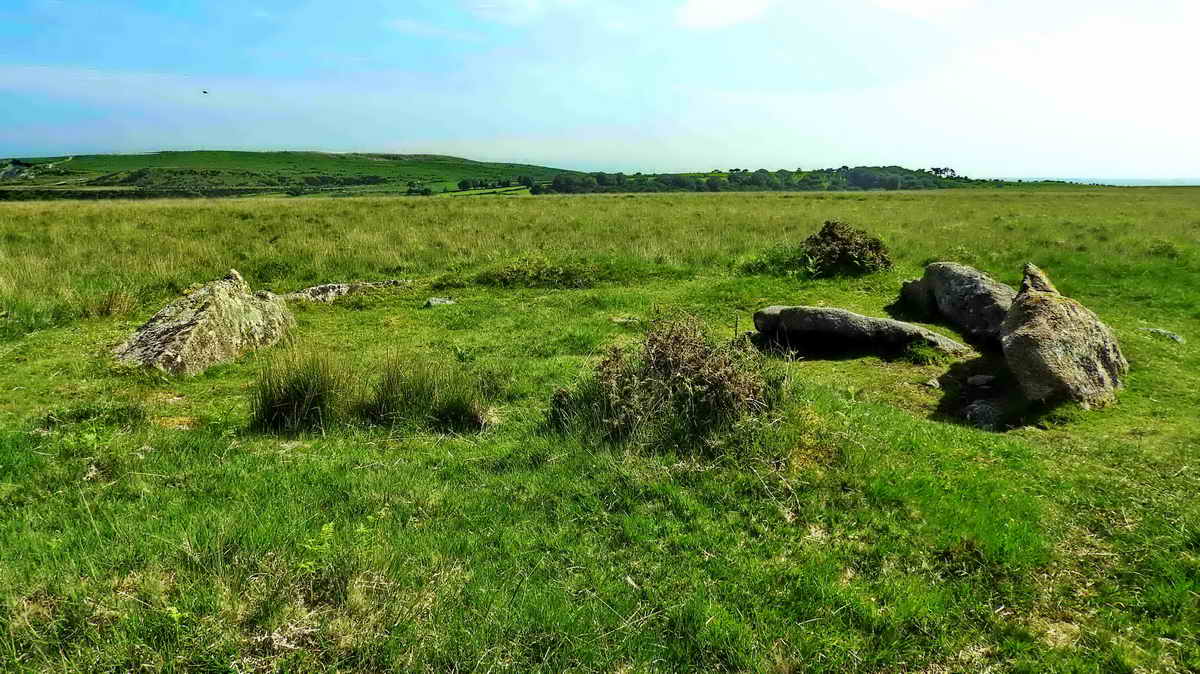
{"points": [[215, 323]]}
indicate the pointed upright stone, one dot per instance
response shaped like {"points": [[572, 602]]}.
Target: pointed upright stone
{"points": [[1058, 349]]}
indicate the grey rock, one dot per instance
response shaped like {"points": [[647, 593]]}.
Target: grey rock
{"points": [[984, 414], [216, 323], [1058, 349], [825, 325], [981, 380], [1166, 334], [934, 384], [438, 302], [331, 291], [967, 298]]}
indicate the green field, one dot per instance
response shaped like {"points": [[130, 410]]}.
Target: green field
{"points": [[857, 526], [265, 172]]}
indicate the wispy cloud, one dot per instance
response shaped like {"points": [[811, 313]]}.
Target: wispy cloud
{"points": [[711, 14], [419, 28]]}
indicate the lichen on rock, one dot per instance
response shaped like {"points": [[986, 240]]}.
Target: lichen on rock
{"points": [[216, 323], [1058, 349]]}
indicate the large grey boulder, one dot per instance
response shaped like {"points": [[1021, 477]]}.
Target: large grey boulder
{"points": [[970, 300], [824, 326], [215, 323], [1058, 349]]}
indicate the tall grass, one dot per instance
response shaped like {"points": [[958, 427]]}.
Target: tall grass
{"points": [[56, 259], [316, 392], [300, 392], [422, 393]]}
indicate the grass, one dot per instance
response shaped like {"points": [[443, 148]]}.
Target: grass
{"points": [[421, 393], [147, 525], [300, 393]]}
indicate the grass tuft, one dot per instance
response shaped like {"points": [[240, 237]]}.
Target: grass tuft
{"points": [[412, 392], [299, 392], [920, 353]]}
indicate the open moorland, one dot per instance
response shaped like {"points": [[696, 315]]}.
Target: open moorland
{"points": [[447, 509]]}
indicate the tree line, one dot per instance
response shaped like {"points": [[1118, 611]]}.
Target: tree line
{"points": [[733, 180]]}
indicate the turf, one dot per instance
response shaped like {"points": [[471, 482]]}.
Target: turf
{"points": [[147, 524]]}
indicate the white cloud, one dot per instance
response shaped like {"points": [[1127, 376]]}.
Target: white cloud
{"points": [[1100, 99], [710, 14]]}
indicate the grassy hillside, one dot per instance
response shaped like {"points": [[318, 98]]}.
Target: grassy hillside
{"points": [[858, 526], [268, 171]]}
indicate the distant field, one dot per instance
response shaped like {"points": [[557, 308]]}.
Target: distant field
{"points": [[263, 172], [146, 525]]}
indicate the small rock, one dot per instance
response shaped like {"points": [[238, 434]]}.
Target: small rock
{"points": [[981, 380], [438, 302], [984, 414], [1166, 334], [625, 320], [933, 383]]}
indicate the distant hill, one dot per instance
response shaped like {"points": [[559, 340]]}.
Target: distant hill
{"points": [[221, 173], [227, 174]]}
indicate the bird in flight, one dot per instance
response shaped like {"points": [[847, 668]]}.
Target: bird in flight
{"points": [[204, 91]]}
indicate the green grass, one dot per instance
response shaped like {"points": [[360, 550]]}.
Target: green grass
{"points": [[145, 523]]}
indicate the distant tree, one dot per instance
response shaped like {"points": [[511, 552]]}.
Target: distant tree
{"points": [[526, 181], [715, 184], [465, 184]]}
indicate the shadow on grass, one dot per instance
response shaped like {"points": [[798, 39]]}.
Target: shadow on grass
{"points": [[1003, 393], [781, 345]]}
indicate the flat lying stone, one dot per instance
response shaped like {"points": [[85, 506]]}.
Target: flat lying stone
{"points": [[1165, 334], [438, 302], [827, 326], [331, 291], [215, 323]]}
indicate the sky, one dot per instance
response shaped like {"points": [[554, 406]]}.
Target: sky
{"points": [[1012, 88]]}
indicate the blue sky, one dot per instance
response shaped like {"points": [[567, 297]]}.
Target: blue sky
{"points": [[1015, 88]]}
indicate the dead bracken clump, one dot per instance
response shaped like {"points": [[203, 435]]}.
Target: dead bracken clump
{"points": [[675, 390], [841, 250]]}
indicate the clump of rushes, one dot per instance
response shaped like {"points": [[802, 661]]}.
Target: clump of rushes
{"points": [[421, 393], [675, 390], [300, 392]]}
